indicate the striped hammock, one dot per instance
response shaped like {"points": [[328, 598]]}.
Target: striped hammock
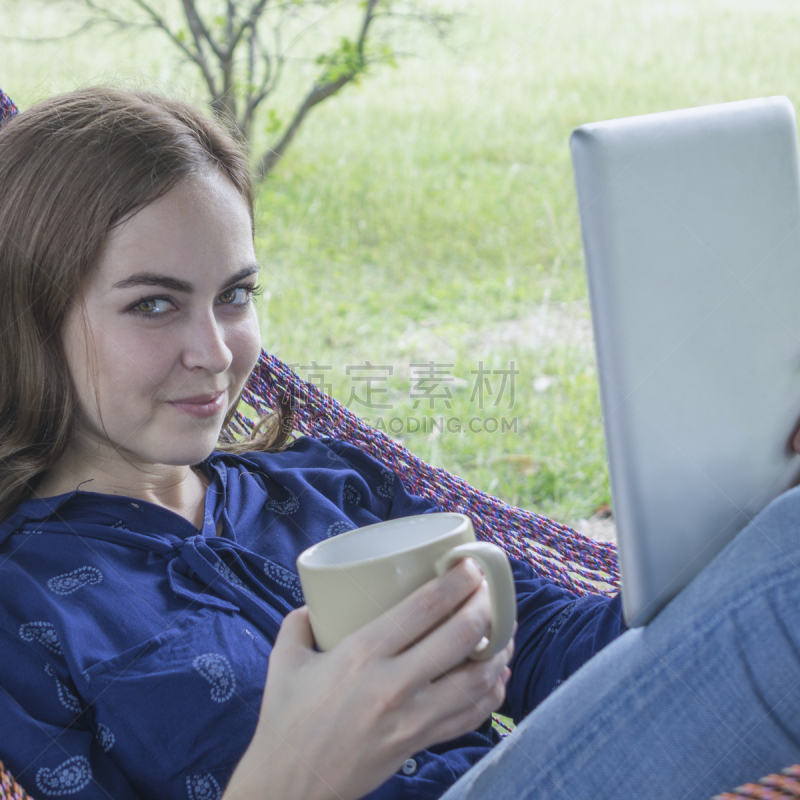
{"points": [[554, 550]]}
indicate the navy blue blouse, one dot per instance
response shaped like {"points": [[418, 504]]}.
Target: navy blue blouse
{"points": [[135, 647]]}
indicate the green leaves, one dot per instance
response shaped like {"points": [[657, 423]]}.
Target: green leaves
{"points": [[274, 122], [385, 55], [345, 61]]}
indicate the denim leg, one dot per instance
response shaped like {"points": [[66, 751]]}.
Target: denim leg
{"points": [[706, 697]]}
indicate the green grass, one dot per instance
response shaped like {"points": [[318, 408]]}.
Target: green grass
{"points": [[419, 215]]}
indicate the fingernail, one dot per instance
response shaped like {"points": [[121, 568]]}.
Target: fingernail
{"points": [[506, 676], [475, 564]]}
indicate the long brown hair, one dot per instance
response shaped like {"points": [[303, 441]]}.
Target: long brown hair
{"points": [[71, 168]]}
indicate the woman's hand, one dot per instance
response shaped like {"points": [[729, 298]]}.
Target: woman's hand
{"points": [[338, 724]]}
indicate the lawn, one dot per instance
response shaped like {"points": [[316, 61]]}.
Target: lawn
{"points": [[420, 242]]}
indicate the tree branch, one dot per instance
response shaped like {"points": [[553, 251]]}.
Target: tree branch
{"points": [[251, 58], [369, 15], [318, 93], [197, 57], [63, 38], [313, 98], [229, 23], [250, 22], [242, 65], [280, 59], [104, 15], [199, 30], [270, 77], [266, 80], [439, 21]]}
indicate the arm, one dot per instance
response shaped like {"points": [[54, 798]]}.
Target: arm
{"points": [[558, 632], [46, 737], [338, 724]]}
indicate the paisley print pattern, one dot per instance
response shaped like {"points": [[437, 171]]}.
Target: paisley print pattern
{"points": [[105, 737], [228, 573], [283, 507], [203, 787], [386, 487], [340, 526], [331, 455], [217, 670], [65, 696], [67, 778], [70, 582], [42, 632], [283, 577], [351, 495]]}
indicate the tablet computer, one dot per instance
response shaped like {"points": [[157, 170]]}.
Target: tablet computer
{"points": [[691, 232]]}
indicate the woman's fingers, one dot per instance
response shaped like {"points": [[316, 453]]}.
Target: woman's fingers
{"points": [[470, 680], [470, 693], [295, 632], [398, 685], [454, 640], [422, 611]]}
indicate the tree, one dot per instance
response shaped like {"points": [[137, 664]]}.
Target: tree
{"points": [[238, 48]]}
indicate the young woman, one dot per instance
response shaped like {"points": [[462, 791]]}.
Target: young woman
{"points": [[147, 569]]}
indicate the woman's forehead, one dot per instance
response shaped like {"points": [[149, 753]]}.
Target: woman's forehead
{"points": [[199, 230]]}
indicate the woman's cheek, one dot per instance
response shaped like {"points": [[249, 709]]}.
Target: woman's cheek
{"points": [[246, 348]]}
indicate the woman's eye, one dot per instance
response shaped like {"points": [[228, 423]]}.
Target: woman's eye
{"points": [[236, 296], [152, 306]]}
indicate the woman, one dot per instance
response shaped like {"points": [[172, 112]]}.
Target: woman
{"points": [[146, 579]]}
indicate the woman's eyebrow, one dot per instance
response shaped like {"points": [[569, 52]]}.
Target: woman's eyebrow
{"points": [[174, 284], [154, 279], [245, 272]]}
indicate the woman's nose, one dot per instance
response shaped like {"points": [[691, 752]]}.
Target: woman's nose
{"points": [[205, 346]]}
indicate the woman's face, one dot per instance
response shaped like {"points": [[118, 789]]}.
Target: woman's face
{"points": [[166, 333]]}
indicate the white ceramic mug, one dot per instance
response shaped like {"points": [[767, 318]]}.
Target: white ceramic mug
{"points": [[350, 579]]}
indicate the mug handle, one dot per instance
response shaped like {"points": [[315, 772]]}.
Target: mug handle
{"points": [[502, 594]]}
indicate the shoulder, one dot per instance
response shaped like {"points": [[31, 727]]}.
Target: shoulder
{"points": [[304, 452], [334, 468]]}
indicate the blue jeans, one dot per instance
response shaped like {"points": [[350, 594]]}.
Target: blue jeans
{"points": [[704, 698]]}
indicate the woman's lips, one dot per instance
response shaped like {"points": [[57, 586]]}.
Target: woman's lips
{"points": [[204, 405]]}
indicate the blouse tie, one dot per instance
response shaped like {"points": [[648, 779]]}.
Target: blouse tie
{"points": [[209, 571]]}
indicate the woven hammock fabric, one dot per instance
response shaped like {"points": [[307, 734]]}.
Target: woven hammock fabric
{"points": [[564, 555], [774, 787], [7, 108], [9, 788]]}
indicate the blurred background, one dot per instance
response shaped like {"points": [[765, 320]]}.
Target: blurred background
{"points": [[419, 236]]}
